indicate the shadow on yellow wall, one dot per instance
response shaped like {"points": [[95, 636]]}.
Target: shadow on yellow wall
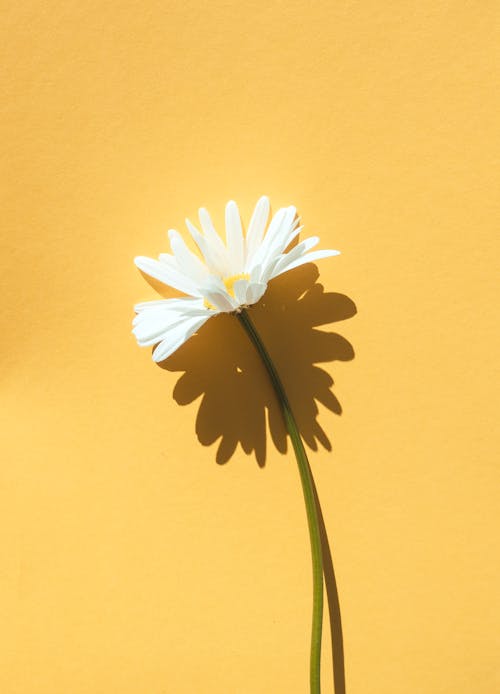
{"points": [[332, 594], [221, 366]]}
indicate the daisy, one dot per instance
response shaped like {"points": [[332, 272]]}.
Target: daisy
{"points": [[224, 277]]}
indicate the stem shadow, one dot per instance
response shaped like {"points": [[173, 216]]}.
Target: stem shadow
{"points": [[237, 403], [332, 595]]}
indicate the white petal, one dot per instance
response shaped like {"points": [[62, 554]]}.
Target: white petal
{"points": [[283, 237], [213, 283], [278, 231], [214, 258], [155, 326], [283, 225], [210, 232], [257, 227], [267, 272], [301, 248], [166, 274], [189, 306], [275, 262], [190, 264], [271, 232], [222, 301], [255, 273], [156, 318], [234, 237], [307, 258], [288, 238], [215, 292], [177, 336], [255, 291], [240, 291]]}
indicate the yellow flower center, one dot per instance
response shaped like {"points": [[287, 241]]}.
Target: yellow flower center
{"points": [[229, 284]]}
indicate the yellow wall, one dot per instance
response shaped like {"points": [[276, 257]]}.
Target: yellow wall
{"points": [[132, 563]]}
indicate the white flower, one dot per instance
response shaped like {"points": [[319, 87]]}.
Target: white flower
{"points": [[226, 278]]}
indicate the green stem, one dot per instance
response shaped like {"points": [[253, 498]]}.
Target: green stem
{"points": [[308, 490]]}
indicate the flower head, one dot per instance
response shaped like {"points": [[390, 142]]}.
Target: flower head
{"points": [[223, 278]]}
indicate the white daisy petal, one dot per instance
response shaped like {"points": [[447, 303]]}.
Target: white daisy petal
{"points": [[240, 291], [209, 230], [267, 272], [255, 273], [274, 255], [222, 301], [224, 279], [289, 237], [302, 247], [284, 235], [155, 319], [177, 336], [275, 259], [234, 237], [215, 259], [276, 238], [283, 226], [213, 284], [255, 291], [307, 258], [190, 264], [154, 328], [215, 294], [257, 227], [183, 304], [171, 262], [167, 275], [260, 253]]}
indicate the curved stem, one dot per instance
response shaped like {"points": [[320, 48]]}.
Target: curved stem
{"points": [[308, 490]]}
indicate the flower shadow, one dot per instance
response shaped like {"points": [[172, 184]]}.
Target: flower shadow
{"points": [[222, 368]]}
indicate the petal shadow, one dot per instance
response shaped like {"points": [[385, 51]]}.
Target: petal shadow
{"points": [[221, 367]]}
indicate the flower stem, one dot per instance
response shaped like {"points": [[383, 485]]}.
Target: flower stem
{"points": [[308, 490]]}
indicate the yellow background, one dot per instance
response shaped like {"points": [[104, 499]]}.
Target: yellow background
{"points": [[131, 561]]}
